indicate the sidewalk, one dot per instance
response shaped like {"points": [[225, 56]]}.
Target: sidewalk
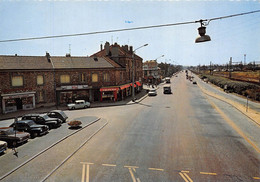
{"points": [[139, 97]]}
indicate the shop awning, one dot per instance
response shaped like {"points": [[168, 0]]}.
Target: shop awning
{"points": [[105, 89], [132, 85], [138, 83], [124, 86]]}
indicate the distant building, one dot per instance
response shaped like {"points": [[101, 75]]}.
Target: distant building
{"points": [[151, 72]]}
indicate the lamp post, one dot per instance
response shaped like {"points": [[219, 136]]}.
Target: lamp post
{"points": [[159, 57], [133, 66]]}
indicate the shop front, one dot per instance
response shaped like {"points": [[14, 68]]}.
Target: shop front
{"points": [[68, 94], [109, 93], [139, 86], [18, 101], [125, 91]]}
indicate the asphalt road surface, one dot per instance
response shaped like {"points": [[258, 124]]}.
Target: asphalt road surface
{"points": [[184, 136]]}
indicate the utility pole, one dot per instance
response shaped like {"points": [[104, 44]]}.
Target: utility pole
{"points": [[244, 59], [230, 66]]}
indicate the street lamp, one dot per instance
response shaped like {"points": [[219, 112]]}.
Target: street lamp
{"points": [[159, 57], [202, 32], [133, 65]]}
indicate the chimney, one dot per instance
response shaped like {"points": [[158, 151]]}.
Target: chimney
{"points": [[48, 56], [125, 48], [68, 55], [107, 47], [101, 47], [131, 49]]}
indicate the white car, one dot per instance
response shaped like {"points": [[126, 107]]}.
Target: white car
{"points": [[152, 92], [79, 104]]}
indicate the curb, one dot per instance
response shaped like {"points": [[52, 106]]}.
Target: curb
{"points": [[230, 102]]}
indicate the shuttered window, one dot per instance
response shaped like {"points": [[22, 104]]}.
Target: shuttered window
{"points": [[17, 81], [65, 79]]}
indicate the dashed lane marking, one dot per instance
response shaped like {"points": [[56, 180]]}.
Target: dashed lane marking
{"points": [[131, 166], [256, 177], [109, 165], [208, 173], [156, 169]]}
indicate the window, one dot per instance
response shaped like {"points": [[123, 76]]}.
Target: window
{"points": [[39, 80], [17, 81], [64, 79], [94, 77], [106, 77], [82, 77]]}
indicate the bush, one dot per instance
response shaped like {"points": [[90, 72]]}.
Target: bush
{"points": [[242, 88]]}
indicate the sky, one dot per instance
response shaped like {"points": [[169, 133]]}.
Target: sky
{"points": [[231, 37]]}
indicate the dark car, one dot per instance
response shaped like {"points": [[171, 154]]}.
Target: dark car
{"points": [[31, 127], [13, 137], [58, 114], [43, 119]]}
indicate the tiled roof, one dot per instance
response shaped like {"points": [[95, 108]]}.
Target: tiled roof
{"points": [[59, 62], [121, 53], [24, 62], [82, 62]]}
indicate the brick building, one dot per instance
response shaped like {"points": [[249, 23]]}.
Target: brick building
{"points": [[27, 82], [123, 55]]}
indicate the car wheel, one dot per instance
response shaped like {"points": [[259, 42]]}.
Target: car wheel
{"points": [[85, 107], [34, 135], [73, 108]]}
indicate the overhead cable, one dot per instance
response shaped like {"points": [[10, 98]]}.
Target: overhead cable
{"points": [[126, 29]]}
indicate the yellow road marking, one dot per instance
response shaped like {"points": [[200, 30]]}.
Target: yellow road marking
{"points": [[132, 174], [185, 177], [235, 127], [208, 173], [87, 179], [83, 173], [110, 165], [87, 163], [188, 177], [185, 171], [131, 166], [256, 177], [156, 169]]}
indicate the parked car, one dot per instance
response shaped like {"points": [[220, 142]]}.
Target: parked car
{"points": [[58, 114], [31, 127], [152, 92], [13, 137], [3, 146], [43, 119], [79, 104]]}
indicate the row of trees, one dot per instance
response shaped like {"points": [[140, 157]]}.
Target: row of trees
{"points": [[168, 70]]}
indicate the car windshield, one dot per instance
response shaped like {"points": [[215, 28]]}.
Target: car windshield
{"points": [[30, 123], [44, 116]]}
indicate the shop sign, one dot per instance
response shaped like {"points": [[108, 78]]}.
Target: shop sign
{"points": [[18, 96], [74, 87]]}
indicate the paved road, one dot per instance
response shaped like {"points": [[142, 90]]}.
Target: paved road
{"points": [[185, 136]]}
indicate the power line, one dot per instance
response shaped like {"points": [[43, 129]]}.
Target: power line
{"points": [[126, 29]]}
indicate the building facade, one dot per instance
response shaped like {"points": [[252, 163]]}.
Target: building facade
{"points": [[27, 82]]}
